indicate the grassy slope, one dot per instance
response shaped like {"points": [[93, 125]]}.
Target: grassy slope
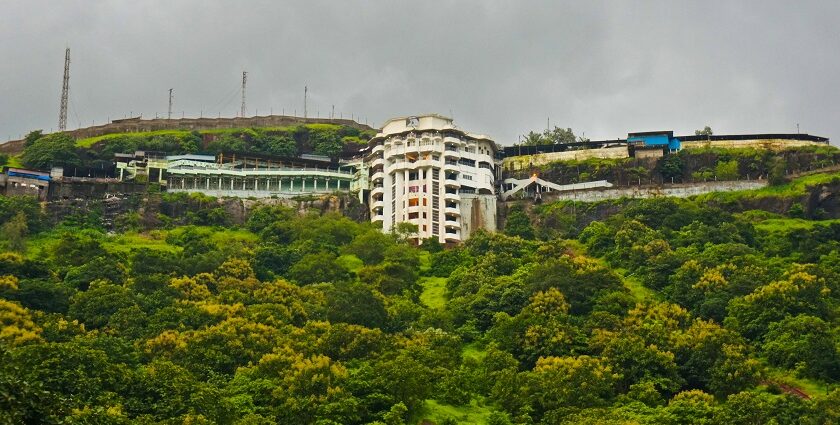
{"points": [[794, 188], [90, 141], [474, 413], [14, 161], [809, 386], [434, 288]]}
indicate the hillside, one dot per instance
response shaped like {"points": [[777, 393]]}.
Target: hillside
{"points": [[661, 311], [326, 139]]}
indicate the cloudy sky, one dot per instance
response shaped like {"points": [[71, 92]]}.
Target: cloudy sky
{"points": [[499, 67]]}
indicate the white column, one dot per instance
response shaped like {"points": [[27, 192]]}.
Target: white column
{"points": [[316, 183]]}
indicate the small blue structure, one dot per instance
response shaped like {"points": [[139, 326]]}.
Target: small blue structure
{"points": [[27, 174], [654, 140]]}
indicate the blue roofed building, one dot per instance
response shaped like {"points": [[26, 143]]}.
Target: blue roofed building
{"points": [[652, 143]]}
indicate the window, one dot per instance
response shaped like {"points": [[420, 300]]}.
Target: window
{"points": [[413, 216], [413, 202], [425, 201]]}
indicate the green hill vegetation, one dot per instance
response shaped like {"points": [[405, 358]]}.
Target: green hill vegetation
{"points": [[664, 311], [331, 140], [692, 165]]}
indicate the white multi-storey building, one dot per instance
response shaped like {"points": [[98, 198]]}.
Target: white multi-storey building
{"points": [[424, 170]]}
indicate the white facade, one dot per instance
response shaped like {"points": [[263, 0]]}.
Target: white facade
{"points": [[423, 170]]}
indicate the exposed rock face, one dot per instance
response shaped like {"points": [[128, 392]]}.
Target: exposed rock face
{"points": [[150, 207]]}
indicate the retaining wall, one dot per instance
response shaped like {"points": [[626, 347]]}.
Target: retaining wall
{"points": [[676, 190]]}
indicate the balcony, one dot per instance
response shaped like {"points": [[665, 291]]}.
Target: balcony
{"points": [[378, 148], [452, 224], [379, 175], [451, 197], [378, 203], [452, 210], [377, 190], [452, 236], [377, 218], [450, 166], [451, 182]]}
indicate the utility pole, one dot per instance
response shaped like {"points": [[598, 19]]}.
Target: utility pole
{"points": [[305, 93], [244, 78], [65, 93], [169, 116], [797, 128]]}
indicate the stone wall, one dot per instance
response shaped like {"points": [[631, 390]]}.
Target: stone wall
{"points": [[516, 163], [770, 144], [676, 190]]}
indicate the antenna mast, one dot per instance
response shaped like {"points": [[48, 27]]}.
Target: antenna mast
{"points": [[170, 104], [305, 92], [244, 78], [65, 93]]}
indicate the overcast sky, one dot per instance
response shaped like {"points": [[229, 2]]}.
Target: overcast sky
{"points": [[499, 67]]}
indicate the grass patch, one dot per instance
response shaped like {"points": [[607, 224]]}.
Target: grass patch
{"points": [[811, 387], [474, 413], [125, 242], [795, 188], [425, 262], [787, 224], [14, 162], [639, 291], [90, 141], [434, 291], [222, 237], [473, 351], [351, 262]]}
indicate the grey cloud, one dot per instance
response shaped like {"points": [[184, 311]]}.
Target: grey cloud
{"points": [[600, 67]]}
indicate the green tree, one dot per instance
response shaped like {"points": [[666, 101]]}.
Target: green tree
{"points": [[355, 303], [317, 268], [557, 382], [14, 233], [671, 167], [727, 170], [799, 293], [32, 137], [561, 136], [518, 223], [533, 139], [804, 343], [325, 142], [50, 150], [706, 131], [370, 246]]}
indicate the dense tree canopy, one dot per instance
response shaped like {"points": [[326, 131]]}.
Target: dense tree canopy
{"points": [[667, 311]]}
